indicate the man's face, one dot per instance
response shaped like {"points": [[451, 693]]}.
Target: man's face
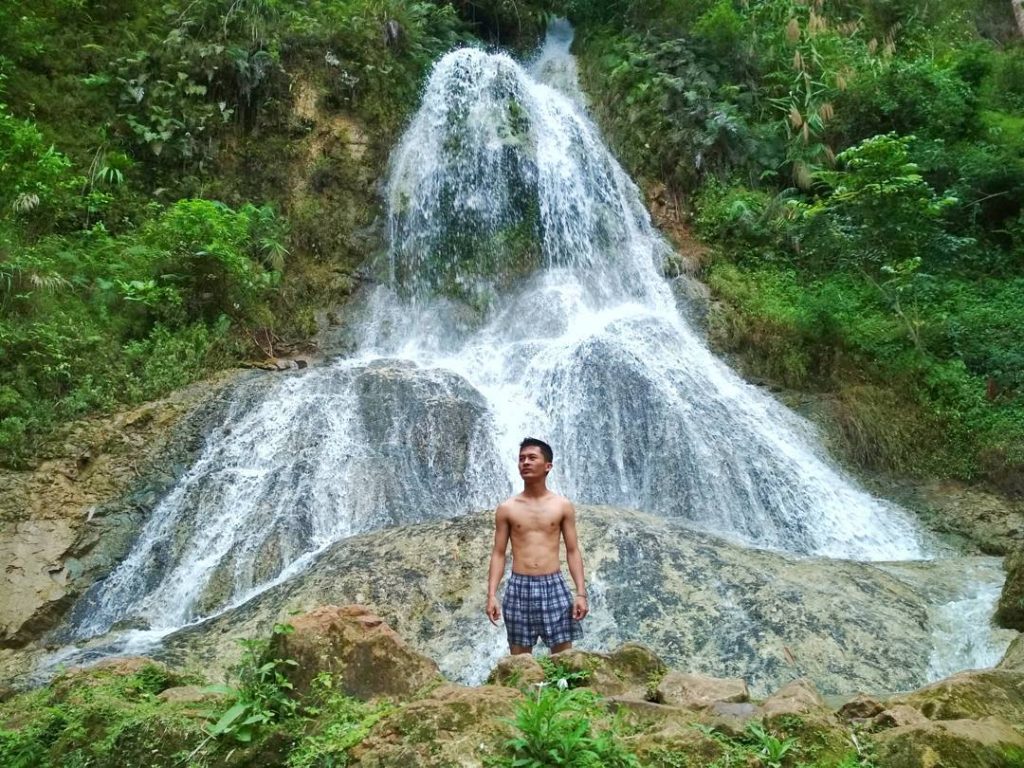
{"points": [[532, 463]]}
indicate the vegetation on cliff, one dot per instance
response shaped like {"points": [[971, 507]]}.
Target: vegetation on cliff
{"points": [[186, 184], [857, 166]]}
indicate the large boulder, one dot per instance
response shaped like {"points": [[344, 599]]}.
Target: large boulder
{"points": [[356, 647], [1013, 659], [453, 726], [800, 698], [519, 671], [682, 689], [703, 603], [1010, 610], [987, 743], [970, 695]]}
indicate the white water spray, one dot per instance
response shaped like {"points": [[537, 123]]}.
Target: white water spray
{"points": [[525, 298]]}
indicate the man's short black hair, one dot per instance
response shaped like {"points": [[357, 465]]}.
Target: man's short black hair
{"points": [[545, 449]]}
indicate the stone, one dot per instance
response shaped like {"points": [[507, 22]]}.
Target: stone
{"points": [[630, 671], [187, 694], [981, 743], [799, 697], [67, 520], [452, 726], [702, 603], [897, 716], [1010, 609], [1013, 659], [681, 689], [970, 695], [355, 645], [520, 671], [861, 707]]}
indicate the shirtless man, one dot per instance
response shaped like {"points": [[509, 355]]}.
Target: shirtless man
{"points": [[537, 600]]}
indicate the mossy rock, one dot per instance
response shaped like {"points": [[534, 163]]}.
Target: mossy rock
{"points": [[112, 716], [1010, 610], [971, 695], [986, 743]]}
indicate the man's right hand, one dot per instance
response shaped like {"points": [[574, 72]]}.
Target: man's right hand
{"points": [[493, 611]]}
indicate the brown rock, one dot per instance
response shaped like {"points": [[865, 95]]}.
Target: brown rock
{"points": [[631, 671], [861, 707], [187, 694], [954, 743], [971, 695], [1013, 659], [453, 726], [519, 671], [355, 645], [1010, 610], [898, 716], [799, 697], [693, 691]]}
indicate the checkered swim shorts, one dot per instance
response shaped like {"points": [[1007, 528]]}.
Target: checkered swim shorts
{"points": [[539, 606]]}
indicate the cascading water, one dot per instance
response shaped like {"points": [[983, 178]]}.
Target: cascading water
{"points": [[524, 298]]}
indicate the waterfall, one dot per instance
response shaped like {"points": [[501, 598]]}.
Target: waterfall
{"points": [[524, 296]]}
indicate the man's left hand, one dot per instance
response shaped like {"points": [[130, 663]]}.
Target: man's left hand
{"points": [[579, 607]]}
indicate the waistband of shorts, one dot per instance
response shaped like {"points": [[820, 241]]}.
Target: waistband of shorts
{"points": [[546, 578]]}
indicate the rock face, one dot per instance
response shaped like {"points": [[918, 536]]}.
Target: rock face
{"points": [[987, 743], [681, 689], [1010, 611], [1013, 660], [357, 648], [971, 695], [69, 519], [697, 600]]}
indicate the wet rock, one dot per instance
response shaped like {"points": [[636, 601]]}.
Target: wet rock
{"points": [[520, 671], [970, 695], [898, 716], [630, 671], [452, 726], [1010, 610], [1013, 659], [861, 707], [701, 602], [961, 743], [799, 697], [64, 523], [355, 646], [692, 691]]}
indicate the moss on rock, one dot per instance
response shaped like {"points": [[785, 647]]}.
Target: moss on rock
{"points": [[1010, 610]]}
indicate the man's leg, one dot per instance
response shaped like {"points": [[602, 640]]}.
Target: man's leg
{"points": [[560, 647], [516, 650]]}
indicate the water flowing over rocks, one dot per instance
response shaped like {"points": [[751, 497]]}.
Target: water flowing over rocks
{"points": [[526, 295], [68, 520], [699, 601]]}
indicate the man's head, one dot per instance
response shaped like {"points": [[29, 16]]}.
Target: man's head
{"points": [[535, 457]]}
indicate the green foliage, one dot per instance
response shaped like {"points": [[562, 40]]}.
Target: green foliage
{"points": [[769, 747], [921, 97], [879, 212], [558, 674], [100, 719], [342, 723], [262, 695], [89, 321], [557, 727]]}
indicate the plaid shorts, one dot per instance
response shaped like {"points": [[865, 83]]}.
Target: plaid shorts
{"points": [[539, 606]]}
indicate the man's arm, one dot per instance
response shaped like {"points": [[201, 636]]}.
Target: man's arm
{"points": [[574, 559], [497, 569]]}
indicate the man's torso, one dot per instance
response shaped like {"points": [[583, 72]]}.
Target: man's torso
{"points": [[535, 529]]}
